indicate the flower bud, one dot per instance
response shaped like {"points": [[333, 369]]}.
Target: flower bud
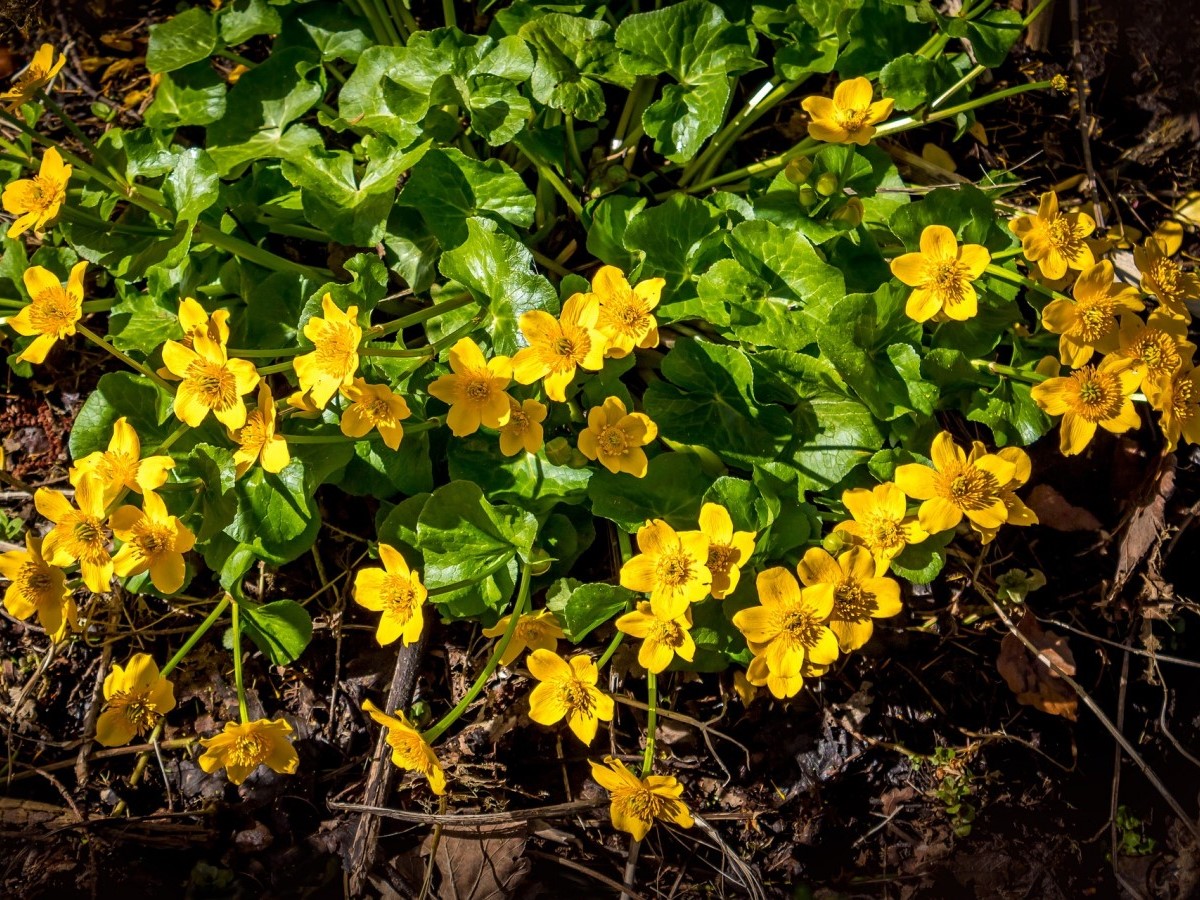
{"points": [[539, 562], [827, 184], [850, 215], [798, 170]]}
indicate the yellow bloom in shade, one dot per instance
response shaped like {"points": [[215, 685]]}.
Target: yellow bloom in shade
{"points": [[626, 317], [637, 802], [36, 201], [397, 592], [257, 440], [568, 690], [1018, 512], [1179, 403], [956, 487], [858, 595], [37, 587], [211, 382], [121, 466], [334, 359], [523, 430], [409, 750], [154, 541], [41, 69], [558, 347], [135, 698], [728, 550], [1089, 323], [78, 534], [53, 310], [616, 437], [788, 628], [243, 747], [662, 639], [880, 521], [535, 631], [475, 389], [1055, 240], [941, 276], [374, 406], [1159, 346], [1163, 277], [850, 117], [672, 568], [1090, 397]]}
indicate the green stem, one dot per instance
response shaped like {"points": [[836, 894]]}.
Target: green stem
{"points": [[708, 161], [237, 666], [493, 662], [271, 370], [415, 428], [109, 348], [651, 722], [1008, 371], [75, 130], [209, 235], [448, 12], [1016, 278], [191, 642], [396, 353], [573, 147], [422, 315], [957, 86], [172, 438], [610, 649], [551, 178]]}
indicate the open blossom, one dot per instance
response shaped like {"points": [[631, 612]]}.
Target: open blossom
{"points": [[523, 430], [956, 487], [36, 587], [1091, 397], [1166, 280], [1055, 240], [409, 750], [1159, 346], [850, 117], [567, 690], [1179, 403], [662, 638], [257, 440], [638, 802], [557, 347], [211, 382], [858, 595], [1018, 512], [396, 592], [941, 276], [136, 697], [671, 567], [1089, 323], [374, 406], [41, 69], [195, 319], [616, 437], [78, 534], [154, 541], [535, 631], [781, 685], [728, 550], [880, 521], [626, 316], [244, 746], [475, 389], [36, 201], [53, 311], [121, 467], [334, 360]]}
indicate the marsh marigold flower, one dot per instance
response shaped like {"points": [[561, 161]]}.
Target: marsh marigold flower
{"points": [[121, 467], [1166, 280], [475, 389], [850, 117], [410, 752], [1089, 323], [626, 317], [1018, 512], [374, 406], [334, 360], [662, 638], [535, 631], [53, 311], [211, 382], [1090, 397], [135, 699], [195, 319], [1158, 347], [154, 541], [557, 347], [637, 802], [78, 534], [36, 201], [523, 430], [41, 69], [567, 690], [956, 487], [671, 567], [941, 276], [1055, 240], [396, 592], [244, 746], [1179, 403], [858, 594], [37, 587], [257, 440], [782, 686], [616, 437], [880, 521], [728, 550]]}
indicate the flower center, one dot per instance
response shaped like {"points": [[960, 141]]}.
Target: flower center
{"points": [[644, 805], [152, 539], [478, 389], [89, 542], [969, 488], [851, 119], [1157, 350], [720, 558], [137, 708], [248, 750], [398, 595], [35, 582], [53, 311], [668, 632], [883, 531], [517, 420], [45, 193], [801, 627], [336, 349], [378, 410], [118, 467], [1064, 236], [674, 568], [564, 347], [613, 441], [576, 696], [1097, 394], [948, 279], [214, 383], [254, 433], [1095, 319], [851, 602], [1166, 274]]}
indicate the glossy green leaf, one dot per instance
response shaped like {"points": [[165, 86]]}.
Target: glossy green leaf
{"points": [[281, 629], [185, 38], [582, 608], [671, 491], [574, 55]]}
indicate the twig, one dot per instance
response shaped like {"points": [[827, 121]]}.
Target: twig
{"points": [[1081, 90], [469, 820]]}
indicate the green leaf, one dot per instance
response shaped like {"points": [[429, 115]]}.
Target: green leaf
{"points": [[1010, 412], [610, 217], [527, 479], [582, 608], [574, 55], [191, 186], [397, 526], [909, 81], [376, 471], [140, 322], [217, 472], [670, 491], [193, 95], [923, 562], [748, 507], [185, 38], [677, 239], [244, 19], [280, 629], [275, 513], [834, 434], [412, 247], [330, 27], [965, 210], [141, 401], [994, 34]]}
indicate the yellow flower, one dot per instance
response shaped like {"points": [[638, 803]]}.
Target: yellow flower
{"points": [[302, 405], [728, 550], [941, 276], [1179, 403], [1163, 278], [671, 567], [135, 698], [568, 690], [1055, 240], [154, 540], [195, 320], [535, 631], [41, 69], [53, 310], [880, 521], [1018, 512], [788, 629], [626, 316], [409, 750], [243, 747], [78, 534], [36, 201], [257, 440], [523, 430], [476, 389], [850, 117], [616, 438], [211, 382], [857, 594], [374, 406], [37, 587], [637, 802], [956, 487], [1091, 396], [557, 347], [1089, 323], [121, 466], [759, 674], [662, 638], [334, 359], [1159, 346], [397, 592]]}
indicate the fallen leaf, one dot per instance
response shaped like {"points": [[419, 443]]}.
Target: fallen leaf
{"points": [[1034, 682], [1055, 511], [485, 863], [1146, 527]]}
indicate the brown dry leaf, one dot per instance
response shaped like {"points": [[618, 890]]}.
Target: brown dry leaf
{"points": [[1034, 682], [19, 815], [485, 863], [1147, 526], [1055, 511]]}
